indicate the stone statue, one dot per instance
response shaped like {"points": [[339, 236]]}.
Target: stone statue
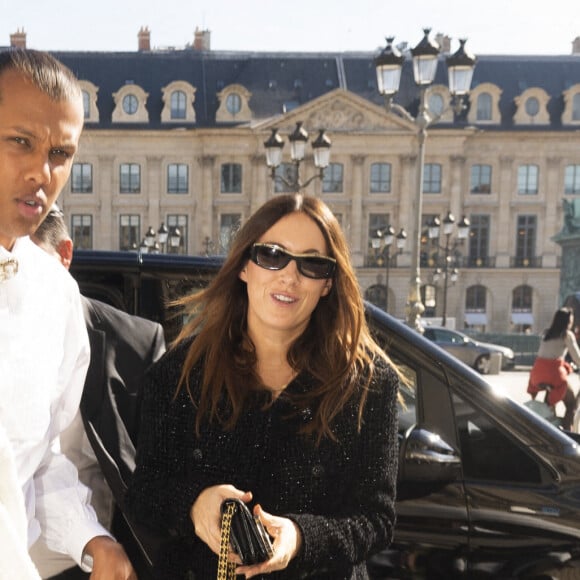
{"points": [[571, 216]]}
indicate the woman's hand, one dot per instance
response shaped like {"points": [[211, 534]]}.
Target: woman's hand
{"points": [[205, 513], [287, 541]]}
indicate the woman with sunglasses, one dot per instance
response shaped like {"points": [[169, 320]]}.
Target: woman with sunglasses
{"points": [[276, 394]]}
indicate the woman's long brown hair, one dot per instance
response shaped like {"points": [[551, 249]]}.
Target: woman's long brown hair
{"points": [[336, 348]]}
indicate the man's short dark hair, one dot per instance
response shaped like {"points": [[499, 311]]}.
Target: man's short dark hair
{"points": [[52, 231], [45, 72]]}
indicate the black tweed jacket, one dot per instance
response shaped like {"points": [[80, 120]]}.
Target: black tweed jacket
{"points": [[341, 494]]}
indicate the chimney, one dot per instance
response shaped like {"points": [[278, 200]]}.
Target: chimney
{"points": [[201, 40], [18, 39], [576, 45], [444, 42], [144, 39]]}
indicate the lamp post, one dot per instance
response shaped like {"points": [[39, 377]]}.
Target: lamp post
{"points": [[208, 245], [298, 139], [448, 272], [162, 236], [174, 239], [155, 243], [389, 65], [387, 237]]}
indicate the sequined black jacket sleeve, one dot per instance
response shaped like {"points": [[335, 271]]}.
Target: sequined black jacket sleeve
{"points": [[340, 493]]}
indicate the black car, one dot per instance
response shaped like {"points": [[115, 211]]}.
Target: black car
{"points": [[487, 489]]}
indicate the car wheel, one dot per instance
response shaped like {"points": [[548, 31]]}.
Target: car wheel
{"points": [[482, 364]]}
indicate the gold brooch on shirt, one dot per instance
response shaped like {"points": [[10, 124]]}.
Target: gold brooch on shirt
{"points": [[8, 269]]}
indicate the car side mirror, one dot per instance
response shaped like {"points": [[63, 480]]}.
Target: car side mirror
{"points": [[425, 457]]}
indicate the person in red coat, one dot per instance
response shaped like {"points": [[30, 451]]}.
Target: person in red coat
{"points": [[550, 370]]}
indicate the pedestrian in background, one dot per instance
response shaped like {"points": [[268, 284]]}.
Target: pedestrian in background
{"points": [[123, 347], [550, 369]]}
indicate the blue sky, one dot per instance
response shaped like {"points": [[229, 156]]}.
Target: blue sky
{"points": [[491, 26]]}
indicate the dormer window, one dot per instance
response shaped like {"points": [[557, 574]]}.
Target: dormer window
{"points": [[86, 104], [532, 107], [130, 104], [576, 107], [130, 101], [436, 103], [234, 105], [484, 109], [178, 105], [438, 99], [89, 91], [571, 113], [178, 99]]}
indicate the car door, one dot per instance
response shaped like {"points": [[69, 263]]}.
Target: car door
{"points": [[522, 512], [431, 535]]}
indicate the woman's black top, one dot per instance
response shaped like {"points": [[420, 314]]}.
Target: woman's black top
{"points": [[340, 493]]}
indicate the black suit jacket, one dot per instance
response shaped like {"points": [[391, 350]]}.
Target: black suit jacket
{"points": [[123, 347]]}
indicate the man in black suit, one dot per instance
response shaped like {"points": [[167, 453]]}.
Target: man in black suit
{"points": [[101, 441]]}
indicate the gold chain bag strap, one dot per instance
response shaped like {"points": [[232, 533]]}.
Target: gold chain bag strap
{"points": [[245, 534], [226, 570]]}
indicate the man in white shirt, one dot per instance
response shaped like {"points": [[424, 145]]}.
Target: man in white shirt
{"points": [[43, 339]]}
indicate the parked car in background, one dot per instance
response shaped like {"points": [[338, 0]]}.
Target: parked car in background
{"points": [[472, 352], [487, 489]]}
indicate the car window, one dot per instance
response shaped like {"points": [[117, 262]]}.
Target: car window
{"points": [[429, 333], [407, 400], [488, 453], [407, 406], [451, 337]]}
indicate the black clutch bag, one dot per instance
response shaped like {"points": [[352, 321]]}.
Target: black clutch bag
{"points": [[247, 535]]}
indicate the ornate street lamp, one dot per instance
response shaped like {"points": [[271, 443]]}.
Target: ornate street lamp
{"points": [[389, 65], [150, 238], [385, 238], [448, 272], [162, 236], [174, 239], [157, 243], [298, 139]]}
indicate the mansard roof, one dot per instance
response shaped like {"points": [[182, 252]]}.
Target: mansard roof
{"points": [[279, 82]]}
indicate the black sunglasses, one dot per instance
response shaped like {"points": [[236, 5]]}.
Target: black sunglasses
{"points": [[273, 257]]}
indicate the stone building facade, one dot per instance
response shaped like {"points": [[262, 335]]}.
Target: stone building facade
{"points": [[176, 137]]}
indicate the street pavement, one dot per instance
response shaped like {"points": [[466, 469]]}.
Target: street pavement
{"points": [[515, 382]]}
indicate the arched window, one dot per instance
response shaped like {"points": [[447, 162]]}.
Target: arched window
{"points": [[522, 301], [576, 107], [178, 105], [233, 103], [484, 107], [532, 106], [475, 299], [87, 104], [476, 307], [130, 104]]}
